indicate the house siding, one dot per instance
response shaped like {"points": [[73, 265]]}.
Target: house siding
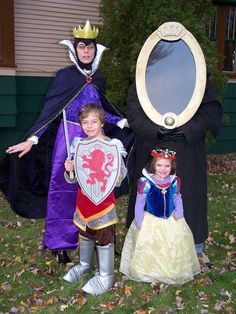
{"points": [[40, 25]]}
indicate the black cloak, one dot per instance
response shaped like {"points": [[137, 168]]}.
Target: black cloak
{"points": [[25, 181], [191, 155]]}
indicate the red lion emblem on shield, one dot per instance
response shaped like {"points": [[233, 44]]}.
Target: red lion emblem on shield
{"points": [[95, 161]]}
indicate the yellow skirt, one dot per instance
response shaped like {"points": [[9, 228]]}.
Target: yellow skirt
{"points": [[162, 250]]}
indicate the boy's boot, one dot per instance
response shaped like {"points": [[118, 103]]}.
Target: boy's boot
{"points": [[86, 252], [104, 280]]}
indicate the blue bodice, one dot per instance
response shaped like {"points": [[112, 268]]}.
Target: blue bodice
{"points": [[159, 200]]}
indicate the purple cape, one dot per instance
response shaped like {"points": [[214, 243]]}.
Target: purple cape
{"points": [[25, 181]]}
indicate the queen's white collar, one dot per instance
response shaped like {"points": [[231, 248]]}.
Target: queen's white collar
{"points": [[73, 58]]}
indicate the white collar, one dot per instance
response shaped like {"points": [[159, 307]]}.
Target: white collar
{"points": [[149, 176], [73, 58]]}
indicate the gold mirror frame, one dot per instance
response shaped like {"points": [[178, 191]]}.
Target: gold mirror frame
{"points": [[171, 31]]}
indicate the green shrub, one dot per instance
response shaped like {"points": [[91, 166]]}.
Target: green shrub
{"points": [[128, 23]]}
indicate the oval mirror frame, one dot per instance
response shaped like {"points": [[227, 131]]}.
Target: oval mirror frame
{"points": [[171, 31]]}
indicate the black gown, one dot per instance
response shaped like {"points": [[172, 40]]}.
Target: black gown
{"points": [[191, 155], [25, 181]]}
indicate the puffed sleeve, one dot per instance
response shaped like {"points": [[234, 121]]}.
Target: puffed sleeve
{"points": [[143, 186]]}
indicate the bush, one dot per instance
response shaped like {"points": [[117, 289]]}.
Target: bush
{"points": [[128, 23]]}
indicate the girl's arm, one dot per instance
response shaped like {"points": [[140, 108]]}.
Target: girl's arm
{"points": [[139, 209], [177, 200], [142, 191], [178, 203]]}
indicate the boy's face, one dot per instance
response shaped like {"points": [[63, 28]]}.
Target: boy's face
{"points": [[92, 125]]}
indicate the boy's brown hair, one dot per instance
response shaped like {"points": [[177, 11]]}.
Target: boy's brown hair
{"points": [[88, 108]]}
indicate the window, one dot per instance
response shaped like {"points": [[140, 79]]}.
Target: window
{"points": [[7, 34], [223, 30], [230, 40]]}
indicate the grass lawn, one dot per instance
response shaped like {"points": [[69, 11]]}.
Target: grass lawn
{"points": [[31, 279]]}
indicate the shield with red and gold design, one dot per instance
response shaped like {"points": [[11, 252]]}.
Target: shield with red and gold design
{"points": [[97, 168]]}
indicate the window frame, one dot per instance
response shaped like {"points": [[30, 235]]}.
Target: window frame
{"points": [[222, 11], [7, 44]]}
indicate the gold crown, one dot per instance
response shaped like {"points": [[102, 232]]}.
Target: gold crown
{"points": [[87, 32]]}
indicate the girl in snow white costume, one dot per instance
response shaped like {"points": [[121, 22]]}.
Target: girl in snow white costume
{"points": [[159, 245]]}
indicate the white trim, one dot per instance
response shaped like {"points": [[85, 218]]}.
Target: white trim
{"points": [[231, 80], [7, 72]]}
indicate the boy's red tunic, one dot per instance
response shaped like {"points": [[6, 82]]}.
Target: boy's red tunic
{"points": [[97, 216], [87, 211]]}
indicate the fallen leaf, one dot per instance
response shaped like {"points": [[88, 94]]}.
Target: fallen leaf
{"points": [[226, 294], [179, 304], [6, 287], [206, 281], [63, 307], [128, 291], [219, 305], [14, 310], [146, 297], [202, 296]]}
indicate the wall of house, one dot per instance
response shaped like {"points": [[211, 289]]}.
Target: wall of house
{"points": [[226, 140], [39, 25], [21, 100]]}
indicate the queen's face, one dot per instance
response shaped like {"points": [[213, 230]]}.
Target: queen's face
{"points": [[85, 53]]}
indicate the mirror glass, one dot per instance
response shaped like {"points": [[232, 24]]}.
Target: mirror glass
{"points": [[170, 76]]}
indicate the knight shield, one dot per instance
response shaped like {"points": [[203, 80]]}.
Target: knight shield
{"points": [[97, 168]]}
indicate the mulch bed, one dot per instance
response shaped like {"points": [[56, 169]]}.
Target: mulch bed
{"points": [[225, 163]]}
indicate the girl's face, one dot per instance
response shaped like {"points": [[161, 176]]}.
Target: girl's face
{"points": [[85, 53], [162, 168], [92, 125]]}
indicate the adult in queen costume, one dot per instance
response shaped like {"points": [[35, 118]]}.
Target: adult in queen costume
{"points": [[36, 181]]}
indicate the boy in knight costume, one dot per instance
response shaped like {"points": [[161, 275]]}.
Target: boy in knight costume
{"points": [[95, 218], [38, 183]]}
